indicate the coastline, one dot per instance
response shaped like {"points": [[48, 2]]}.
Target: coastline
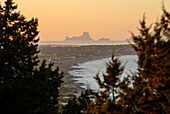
{"points": [[70, 55]]}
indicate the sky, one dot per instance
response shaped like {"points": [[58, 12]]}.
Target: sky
{"points": [[101, 18]]}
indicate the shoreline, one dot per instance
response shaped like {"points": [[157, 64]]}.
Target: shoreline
{"points": [[85, 72], [66, 56]]}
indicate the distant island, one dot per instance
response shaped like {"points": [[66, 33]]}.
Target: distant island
{"points": [[104, 40], [85, 37]]}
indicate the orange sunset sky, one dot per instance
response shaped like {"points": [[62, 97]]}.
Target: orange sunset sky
{"points": [[101, 18]]}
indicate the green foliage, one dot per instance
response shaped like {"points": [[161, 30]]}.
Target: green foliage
{"points": [[150, 92], [24, 87]]}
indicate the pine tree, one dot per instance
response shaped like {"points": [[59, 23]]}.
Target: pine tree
{"points": [[77, 105], [24, 87], [106, 98], [151, 85], [150, 92], [18, 43]]}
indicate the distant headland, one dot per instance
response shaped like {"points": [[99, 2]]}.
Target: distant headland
{"points": [[85, 37]]}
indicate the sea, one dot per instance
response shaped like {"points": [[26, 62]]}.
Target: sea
{"points": [[84, 72]]}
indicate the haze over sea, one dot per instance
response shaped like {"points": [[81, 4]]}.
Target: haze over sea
{"points": [[82, 43]]}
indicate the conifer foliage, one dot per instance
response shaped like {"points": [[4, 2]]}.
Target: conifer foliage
{"points": [[24, 87], [77, 105], [106, 98], [150, 91], [17, 42]]}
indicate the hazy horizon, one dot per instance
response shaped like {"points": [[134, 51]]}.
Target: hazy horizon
{"points": [[101, 18]]}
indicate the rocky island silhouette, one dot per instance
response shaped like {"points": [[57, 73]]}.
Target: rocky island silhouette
{"points": [[85, 37]]}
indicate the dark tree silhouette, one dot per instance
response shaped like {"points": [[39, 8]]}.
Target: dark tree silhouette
{"points": [[24, 87], [77, 105]]}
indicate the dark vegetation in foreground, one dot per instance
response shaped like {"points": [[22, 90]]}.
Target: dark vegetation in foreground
{"points": [[26, 87]]}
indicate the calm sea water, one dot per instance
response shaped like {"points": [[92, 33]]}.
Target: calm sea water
{"points": [[82, 43], [86, 72]]}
